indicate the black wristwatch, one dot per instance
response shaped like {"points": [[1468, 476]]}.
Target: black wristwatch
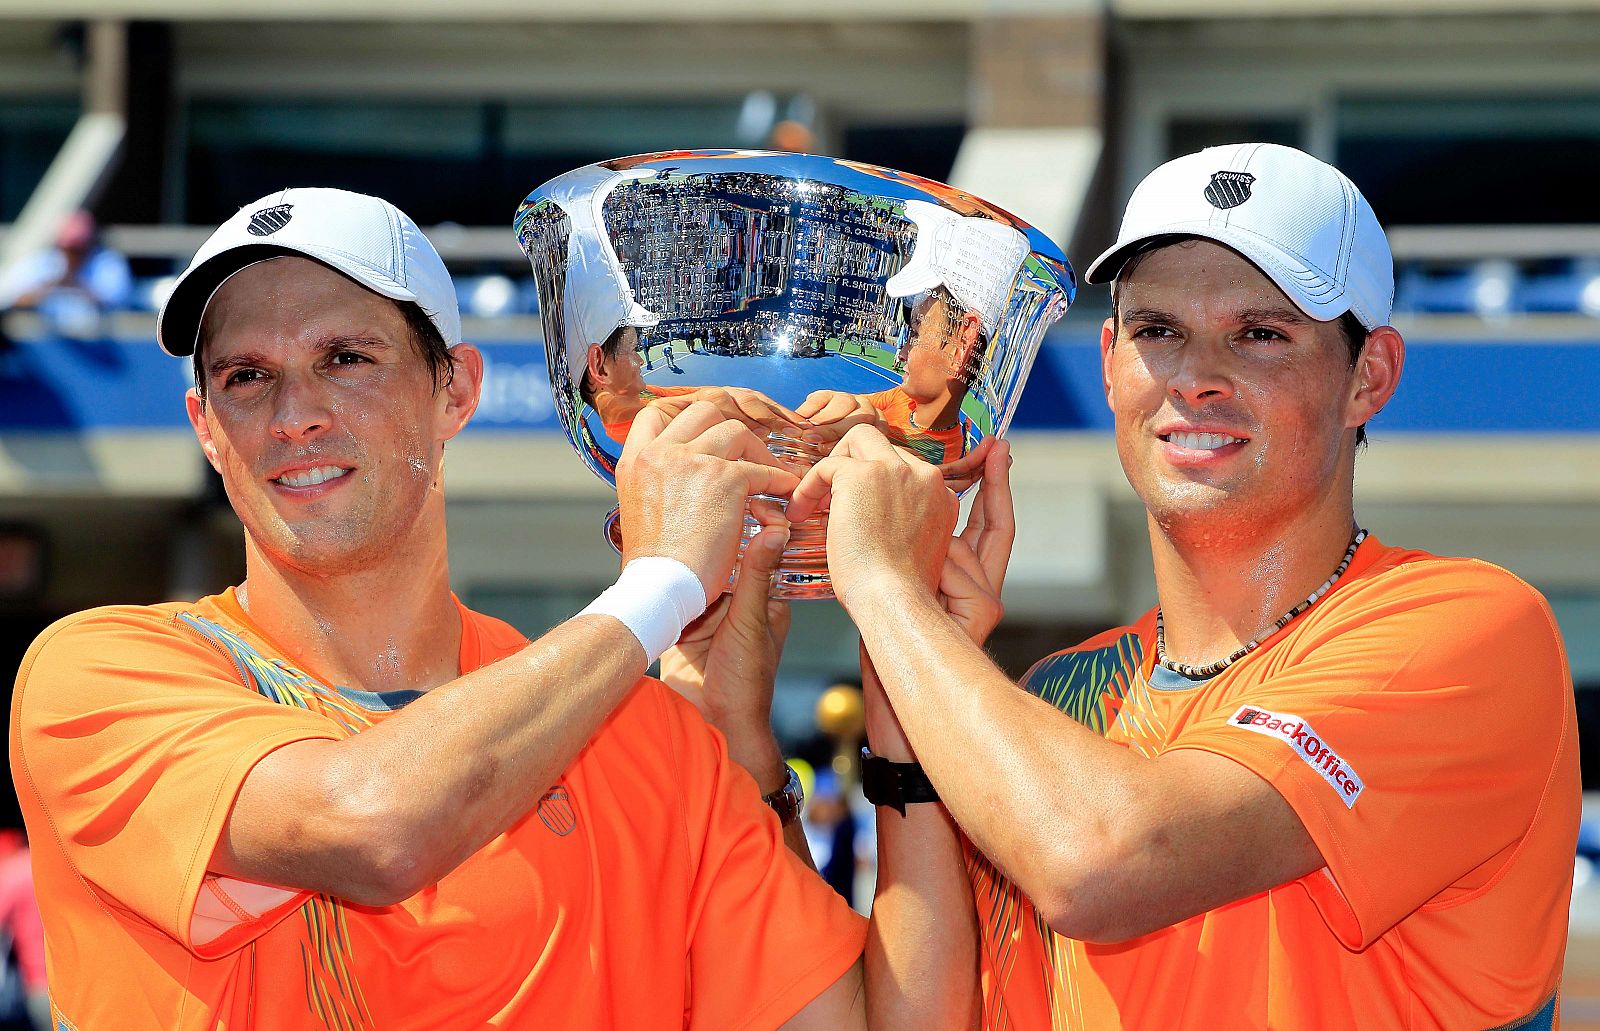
{"points": [[788, 800], [893, 784]]}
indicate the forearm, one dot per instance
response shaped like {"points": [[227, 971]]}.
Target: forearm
{"points": [[922, 958], [379, 815], [495, 740], [922, 945], [755, 748], [1041, 796]]}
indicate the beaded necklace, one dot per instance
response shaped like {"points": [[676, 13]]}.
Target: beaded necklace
{"points": [[1212, 669]]}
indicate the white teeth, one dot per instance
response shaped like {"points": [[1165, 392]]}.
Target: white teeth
{"points": [[1201, 441], [312, 477]]}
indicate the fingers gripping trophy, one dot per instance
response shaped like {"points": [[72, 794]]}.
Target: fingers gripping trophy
{"points": [[801, 295]]}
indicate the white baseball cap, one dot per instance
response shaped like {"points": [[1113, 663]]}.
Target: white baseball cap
{"points": [[976, 258], [366, 238], [597, 299], [1300, 220]]}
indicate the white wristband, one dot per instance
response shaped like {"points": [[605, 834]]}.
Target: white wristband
{"points": [[655, 598]]}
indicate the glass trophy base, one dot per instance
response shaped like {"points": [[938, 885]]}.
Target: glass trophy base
{"points": [[802, 573]]}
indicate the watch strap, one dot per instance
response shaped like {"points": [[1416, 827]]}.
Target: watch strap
{"points": [[896, 785], [788, 800]]}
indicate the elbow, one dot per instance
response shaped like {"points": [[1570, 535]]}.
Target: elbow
{"points": [[378, 858], [1085, 920], [382, 873], [1091, 892]]}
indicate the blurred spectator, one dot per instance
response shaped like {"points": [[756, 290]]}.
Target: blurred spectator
{"points": [[73, 284], [24, 999], [792, 136], [831, 832]]}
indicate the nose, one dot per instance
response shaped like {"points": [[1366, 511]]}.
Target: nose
{"points": [[1202, 373], [302, 413]]}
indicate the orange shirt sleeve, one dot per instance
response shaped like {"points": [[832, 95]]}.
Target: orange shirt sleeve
{"points": [[1417, 732], [766, 933], [133, 736]]}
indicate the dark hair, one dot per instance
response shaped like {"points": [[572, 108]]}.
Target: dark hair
{"points": [[1350, 327], [425, 337]]}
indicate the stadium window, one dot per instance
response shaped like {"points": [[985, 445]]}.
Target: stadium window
{"points": [[32, 130], [1185, 135], [926, 150], [1488, 161], [545, 138], [401, 150]]}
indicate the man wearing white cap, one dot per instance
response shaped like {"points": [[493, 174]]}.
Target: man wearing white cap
{"points": [[1325, 783], [953, 294], [334, 797]]}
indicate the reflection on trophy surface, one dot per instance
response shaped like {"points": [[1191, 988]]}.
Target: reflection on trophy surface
{"points": [[800, 294]]}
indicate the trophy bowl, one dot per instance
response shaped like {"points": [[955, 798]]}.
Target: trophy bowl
{"points": [[801, 294]]}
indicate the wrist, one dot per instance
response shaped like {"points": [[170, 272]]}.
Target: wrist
{"points": [[655, 598], [887, 590], [756, 752]]}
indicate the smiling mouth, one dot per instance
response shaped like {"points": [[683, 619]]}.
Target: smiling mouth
{"points": [[311, 477], [1201, 441]]}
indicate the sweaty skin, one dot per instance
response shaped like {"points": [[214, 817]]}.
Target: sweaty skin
{"points": [[1203, 343], [305, 370]]}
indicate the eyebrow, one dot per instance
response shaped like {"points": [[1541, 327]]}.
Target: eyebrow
{"points": [[1289, 316], [1281, 316], [1148, 315], [250, 359]]}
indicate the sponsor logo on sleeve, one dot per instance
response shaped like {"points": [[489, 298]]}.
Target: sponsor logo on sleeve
{"points": [[1307, 744]]}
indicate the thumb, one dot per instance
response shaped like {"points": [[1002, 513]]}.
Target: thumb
{"points": [[761, 557]]}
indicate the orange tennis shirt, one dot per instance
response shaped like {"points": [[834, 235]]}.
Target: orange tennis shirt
{"points": [[1419, 718], [649, 888], [898, 409], [618, 431]]}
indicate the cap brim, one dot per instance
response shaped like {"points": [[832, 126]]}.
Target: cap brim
{"points": [[1288, 274], [909, 281], [178, 325]]}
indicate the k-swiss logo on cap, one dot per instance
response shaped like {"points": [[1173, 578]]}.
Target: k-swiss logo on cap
{"points": [[555, 811], [1229, 189], [269, 220]]}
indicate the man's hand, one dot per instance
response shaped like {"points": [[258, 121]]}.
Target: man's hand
{"points": [[975, 569], [683, 484], [832, 414], [726, 663], [751, 407], [968, 469], [890, 515]]}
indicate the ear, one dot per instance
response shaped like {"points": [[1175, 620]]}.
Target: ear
{"points": [[1108, 341], [969, 335], [461, 394], [1377, 374], [202, 430], [597, 365]]}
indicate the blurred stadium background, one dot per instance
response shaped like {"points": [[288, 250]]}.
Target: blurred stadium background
{"points": [[1473, 126]]}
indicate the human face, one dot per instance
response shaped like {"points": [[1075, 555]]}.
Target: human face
{"points": [[933, 343], [1207, 345], [310, 377], [626, 370]]}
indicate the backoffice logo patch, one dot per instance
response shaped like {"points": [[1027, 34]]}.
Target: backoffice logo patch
{"points": [[1307, 744], [269, 220], [1229, 189]]}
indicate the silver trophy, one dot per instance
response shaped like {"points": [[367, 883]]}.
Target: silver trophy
{"points": [[802, 294]]}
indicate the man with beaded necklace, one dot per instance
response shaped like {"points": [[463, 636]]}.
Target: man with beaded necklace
{"points": [[1324, 783]]}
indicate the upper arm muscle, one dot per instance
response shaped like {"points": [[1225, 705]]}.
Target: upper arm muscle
{"points": [[1214, 832]]}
